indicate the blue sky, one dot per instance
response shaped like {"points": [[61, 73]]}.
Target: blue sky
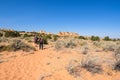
{"points": [[86, 17]]}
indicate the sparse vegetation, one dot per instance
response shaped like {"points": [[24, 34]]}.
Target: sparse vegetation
{"points": [[4, 40], [26, 35], [117, 66], [17, 45], [84, 50], [110, 46], [55, 37], [97, 43], [1, 34], [91, 63], [82, 42], [59, 44], [12, 34], [95, 38], [65, 44], [48, 36], [45, 38], [70, 44], [107, 38], [117, 52], [74, 68], [91, 66], [82, 37]]}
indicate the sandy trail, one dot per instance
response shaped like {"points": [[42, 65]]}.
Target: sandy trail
{"points": [[45, 65]]}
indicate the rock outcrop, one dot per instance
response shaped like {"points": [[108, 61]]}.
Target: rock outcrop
{"points": [[68, 34]]}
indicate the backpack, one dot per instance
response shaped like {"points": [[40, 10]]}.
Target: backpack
{"points": [[41, 40], [35, 39]]}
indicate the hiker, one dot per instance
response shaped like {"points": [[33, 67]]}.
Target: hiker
{"points": [[41, 43], [35, 40]]}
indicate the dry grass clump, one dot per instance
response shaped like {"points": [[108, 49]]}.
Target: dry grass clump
{"points": [[59, 44], [74, 68], [97, 43], [116, 54], [82, 42], [116, 66], [70, 44], [2, 39], [17, 45], [84, 49], [109, 46], [29, 39], [91, 64]]}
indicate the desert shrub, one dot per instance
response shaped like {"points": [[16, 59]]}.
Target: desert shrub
{"points": [[2, 48], [82, 42], [59, 44], [84, 50], [29, 39], [75, 71], [117, 51], [116, 54], [74, 68], [114, 39], [106, 38], [70, 44], [109, 46], [118, 39], [27, 35], [82, 37], [12, 34], [55, 37], [45, 41], [97, 43], [45, 38], [1, 34], [95, 38], [91, 63], [48, 36], [117, 66], [92, 67], [17, 45], [34, 33], [3, 39]]}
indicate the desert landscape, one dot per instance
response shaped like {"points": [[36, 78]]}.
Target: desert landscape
{"points": [[66, 56]]}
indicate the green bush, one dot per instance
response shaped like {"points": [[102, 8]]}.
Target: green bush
{"points": [[55, 37], [114, 39], [82, 37], [26, 35], [70, 44], [12, 34], [17, 45], [59, 44], [48, 36], [95, 38], [45, 38], [1, 34], [107, 38]]}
